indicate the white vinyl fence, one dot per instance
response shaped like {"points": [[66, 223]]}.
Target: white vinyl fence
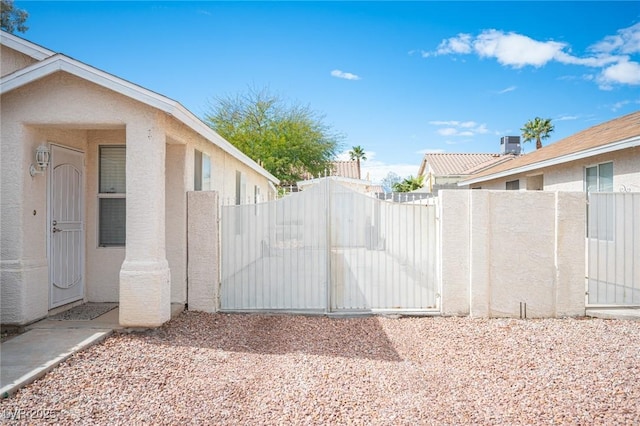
{"points": [[329, 249], [613, 246]]}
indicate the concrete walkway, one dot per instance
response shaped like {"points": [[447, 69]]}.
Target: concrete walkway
{"points": [[47, 343], [632, 314]]}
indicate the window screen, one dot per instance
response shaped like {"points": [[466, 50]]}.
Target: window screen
{"points": [[113, 164], [112, 206], [113, 215]]}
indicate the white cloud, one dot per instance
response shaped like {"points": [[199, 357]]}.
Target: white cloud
{"points": [[344, 75], [459, 128], [515, 50], [507, 90], [460, 44], [566, 118], [431, 151], [378, 170], [620, 73], [447, 131], [626, 41], [612, 55]]}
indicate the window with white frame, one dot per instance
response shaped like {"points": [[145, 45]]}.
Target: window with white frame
{"points": [[599, 178], [112, 204], [600, 222], [201, 171]]}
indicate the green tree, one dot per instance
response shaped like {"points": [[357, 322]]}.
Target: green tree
{"points": [[537, 129], [357, 154], [409, 184], [11, 18], [289, 140]]}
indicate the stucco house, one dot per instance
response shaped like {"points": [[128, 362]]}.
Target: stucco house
{"points": [[445, 170], [347, 174], [602, 158], [95, 172]]}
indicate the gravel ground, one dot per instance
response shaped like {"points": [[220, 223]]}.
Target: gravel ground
{"points": [[258, 369]]}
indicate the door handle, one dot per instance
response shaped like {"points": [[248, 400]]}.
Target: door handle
{"points": [[56, 230]]}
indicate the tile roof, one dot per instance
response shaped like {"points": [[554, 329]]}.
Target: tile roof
{"points": [[348, 169], [454, 164], [617, 130]]}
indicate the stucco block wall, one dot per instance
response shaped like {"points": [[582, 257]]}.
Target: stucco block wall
{"points": [[204, 248], [522, 247], [454, 248]]}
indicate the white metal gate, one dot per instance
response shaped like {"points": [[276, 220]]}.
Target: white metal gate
{"points": [[329, 249], [613, 249]]}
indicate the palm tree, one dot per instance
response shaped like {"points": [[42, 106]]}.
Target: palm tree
{"points": [[538, 129], [409, 184], [357, 153]]}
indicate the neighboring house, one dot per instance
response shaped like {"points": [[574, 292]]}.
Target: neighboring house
{"points": [[605, 158], [106, 221], [346, 169], [346, 173], [444, 171]]}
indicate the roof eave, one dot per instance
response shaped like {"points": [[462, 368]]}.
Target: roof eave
{"points": [[25, 47], [59, 62], [603, 149]]}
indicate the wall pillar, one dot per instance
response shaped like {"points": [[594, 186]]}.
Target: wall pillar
{"points": [[480, 253], [203, 237], [454, 251], [570, 253], [145, 281]]}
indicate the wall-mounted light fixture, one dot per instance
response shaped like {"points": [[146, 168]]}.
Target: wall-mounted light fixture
{"points": [[42, 160]]}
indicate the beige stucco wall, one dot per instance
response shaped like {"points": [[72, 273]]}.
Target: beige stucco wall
{"points": [[72, 112], [570, 176], [501, 248], [204, 268], [12, 60], [223, 166]]}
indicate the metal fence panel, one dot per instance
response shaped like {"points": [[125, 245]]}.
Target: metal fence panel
{"points": [[613, 247], [329, 249], [383, 255]]}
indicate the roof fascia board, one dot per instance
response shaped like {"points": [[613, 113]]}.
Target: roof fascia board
{"points": [[616, 146], [63, 63], [23, 46]]}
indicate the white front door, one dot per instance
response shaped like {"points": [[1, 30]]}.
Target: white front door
{"points": [[66, 226]]}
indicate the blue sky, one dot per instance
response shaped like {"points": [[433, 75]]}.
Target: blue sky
{"points": [[397, 78]]}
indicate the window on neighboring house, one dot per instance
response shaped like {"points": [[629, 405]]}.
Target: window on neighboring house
{"points": [[256, 194], [513, 185], [599, 178], [112, 204], [201, 171]]}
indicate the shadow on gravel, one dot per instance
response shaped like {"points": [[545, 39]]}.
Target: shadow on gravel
{"points": [[279, 334]]}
